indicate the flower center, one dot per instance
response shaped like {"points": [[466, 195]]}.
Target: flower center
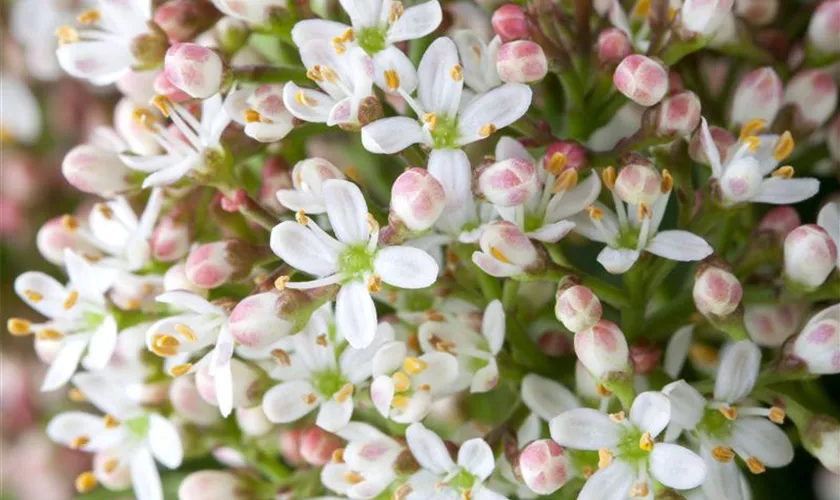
{"points": [[93, 320], [371, 39], [444, 132], [138, 427], [629, 446], [627, 238], [356, 261], [328, 382], [714, 424], [462, 480]]}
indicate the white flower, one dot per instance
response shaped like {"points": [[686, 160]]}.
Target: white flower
{"points": [[476, 352], [629, 456], [479, 60], [404, 386], [353, 260], [308, 177], [78, 317], [126, 441], [179, 338], [261, 111], [546, 398], [741, 176], [449, 479], [103, 54], [117, 231], [367, 468], [829, 219], [319, 371], [20, 117], [32, 23], [201, 153]]}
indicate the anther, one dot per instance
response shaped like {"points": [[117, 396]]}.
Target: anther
{"points": [[110, 465], [344, 393], [162, 103], [617, 417], [338, 456], [69, 223], [251, 115], [605, 458], [783, 147], [608, 176], [79, 441], [314, 73], [321, 340], [301, 218], [70, 300], [281, 356], [49, 334], [430, 119], [303, 100], [400, 402], [498, 255], [486, 130], [310, 399], [643, 211], [646, 442], [723, 454], [414, 366], [401, 381], [186, 332], [338, 45], [456, 72], [374, 283], [395, 12], [85, 482], [280, 282], [178, 370], [76, 395], [567, 180], [392, 79], [110, 422], [752, 143], [33, 296], [752, 127], [19, 327], [667, 182], [353, 477], [730, 412], [755, 465], [88, 17], [785, 172], [602, 390], [639, 490], [143, 117], [66, 34], [776, 415], [594, 212], [556, 163]]}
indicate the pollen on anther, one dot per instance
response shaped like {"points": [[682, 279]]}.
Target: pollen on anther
{"points": [[401, 381], [605, 458], [186, 332], [76, 396], [19, 327], [646, 442], [752, 127], [783, 147], [85, 482], [667, 182], [353, 477], [110, 465], [250, 115], [66, 34], [310, 399], [69, 223], [556, 163], [182, 369], [430, 119], [110, 422], [302, 99], [90, 16], [594, 212], [752, 143], [723, 454], [400, 402], [755, 465], [79, 441], [730, 412], [281, 356], [643, 211], [321, 340], [640, 490], [456, 72], [498, 255], [33, 296], [70, 300], [392, 79], [617, 417], [486, 130], [301, 218], [414, 366], [776, 415], [344, 393], [374, 283], [337, 456], [162, 103], [608, 176], [395, 12], [785, 172], [567, 180], [49, 334]]}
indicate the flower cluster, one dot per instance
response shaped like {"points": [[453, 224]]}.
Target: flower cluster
{"points": [[370, 250]]}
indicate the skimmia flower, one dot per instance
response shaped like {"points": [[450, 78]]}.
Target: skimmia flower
{"points": [[261, 111], [829, 219], [479, 60], [308, 177], [353, 260]]}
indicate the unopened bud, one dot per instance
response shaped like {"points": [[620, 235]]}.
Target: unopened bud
{"points": [[704, 16], [544, 466], [254, 321], [162, 86], [574, 154], [577, 308], [289, 443], [213, 485], [771, 325], [148, 49], [417, 199], [722, 138], [213, 264], [638, 183], [678, 114], [757, 12], [758, 96], [641, 79], [506, 251], [170, 240], [61, 233], [246, 383], [96, 170], [832, 139], [509, 22], [183, 20], [194, 69], [821, 437], [810, 255], [644, 356], [613, 46], [716, 292], [824, 29], [602, 349], [317, 446], [509, 182], [813, 94], [818, 345], [521, 61], [188, 403], [780, 221]]}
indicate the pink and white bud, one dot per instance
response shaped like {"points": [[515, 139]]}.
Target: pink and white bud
{"points": [[824, 29], [642, 79], [613, 46], [183, 20], [644, 356], [317, 445], [254, 322], [813, 93], [832, 139], [810, 255], [574, 153], [175, 278], [716, 292], [521, 61], [603, 349], [252, 421], [554, 343], [509, 22], [508, 183], [638, 183], [164, 87], [722, 138], [96, 170], [246, 384], [741, 180], [758, 96], [544, 466], [577, 308], [208, 265], [780, 221], [213, 485], [821, 437], [678, 114], [194, 69], [417, 199], [289, 444], [188, 403], [757, 12], [60, 233], [818, 345], [771, 325], [704, 16], [170, 239], [505, 251]]}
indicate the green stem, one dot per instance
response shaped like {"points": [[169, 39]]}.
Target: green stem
{"points": [[509, 295], [632, 314]]}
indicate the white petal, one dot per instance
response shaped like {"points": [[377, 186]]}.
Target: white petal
{"points": [[100, 62], [172, 174], [547, 398], [737, 371], [347, 210], [438, 91], [356, 364], [405, 267], [829, 219], [710, 149], [107, 394], [442, 370], [318, 104], [584, 429], [393, 58], [65, 363], [284, 403], [389, 358], [451, 168], [495, 267], [165, 442], [101, 345], [687, 404], [722, 480], [786, 191], [382, 394], [333, 477], [508, 148], [761, 438], [316, 29], [428, 449], [67, 426], [493, 326], [52, 293], [482, 492], [476, 457], [391, 135], [552, 233], [575, 200], [676, 467], [617, 260], [486, 377], [355, 315], [610, 483], [651, 412], [416, 22], [90, 280], [145, 479], [268, 132], [334, 415], [189, 300], [302, 249], [358, 431], [223, 384], [499, 107], [299, 200], [679, 245], [676, 351]]}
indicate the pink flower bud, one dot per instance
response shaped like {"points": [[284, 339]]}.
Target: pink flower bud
{"points": [[758, 96], [824, 29], [704, 16], [508, 183], [95, 170], [716, 292], [254, 322], [60, 233], [574, 152], [417, 199], [638, 183], [832, 139], [509, 22], [317, 445], [722, 138], [613, 46], [187, 402], [757, 12], [544, 466], [771, 325], [290, 446], [522, 61], [554, 343], [183, 20], [780, 221], [644, 356], [678, 114], [818, 345], [641, 79], [814, 95], [171, 238], [207, 265], [194, 69], [213, 485], [252, 421], [505, 251], [164, 87], [810, 255], [246, 383], [577, 308], [602, 349], [175, 278], [740, 181]]}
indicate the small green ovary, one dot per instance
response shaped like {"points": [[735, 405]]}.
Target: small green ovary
{"points": [[462, 481], [328, 382], [138, 427], [93, 320], [371, 39], [715, 425], [627, 238], [628, 446], [355, 261], [533, 222], [445, 133]]}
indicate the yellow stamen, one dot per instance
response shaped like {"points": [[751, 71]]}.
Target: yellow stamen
{"points": [[110, 422], [69, 223], [76, 395], [162, 103], [251, 115], [639, 490], [594, 212], [723, 454], [110, 465], [338, 45], [348, 35], [556, 163], [392, 79], [321, 340], [395, 12], [372, 225], [90, 16], [374, 283], [567, 180], [602, 391], [310, 399], [617, 417], [19, 327], [730, 412], [643, 211], [400, 402], [401, 381], [430, 119], [755, 465], [703, 354], [301, 218], [105, 210], [785, 172], [144, 118], [281, 357], [587, 471], [344, 393], [186, 331], [486, 130], [85, 482], [752, 143], [314, 73], [414, 366], [79, 441], [413, 341], [672, 13], [777, 415], [784, 147], [441, 345], [50, 334], [303, 100], [353, 477], [329, 74], [667, 182], [67, 34], [33, 296], [178, 370], [71, 300], [338, 456], [424, 387], [605, 458], [646, 442], [752, 127], [608, 177], [456, 72], [280, 282], [498, 255], [641, 9]]}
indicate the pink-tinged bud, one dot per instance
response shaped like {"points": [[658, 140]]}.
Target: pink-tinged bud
{"points": [[95, 170], [780, 221], [577, 308], [60, 233], [716, 292], [213, 264], [317, 445], [832, 139], [254, 322], [183, 20], [544, 466], [818, 345], [188, 403], [164, 87], [213, 485], [246, 384], [136, 135], [506, 251], [417, 199], [824, 29], [642, 79], [116, 478], [810, 255], [508, 183], [813, 93], [740, 181], [522, 61], [757, 12], [644, 356], [175, 278], [638, 183], [252, 421], [289, 444], [613, 46], [586, 385], [704, 16], [758, 96], [194, 69], [602, 349], [821, 437], [771, 325], [171, 238], [574, 153], [554, 343], [722, 138], [678, 114], [509, 22]]}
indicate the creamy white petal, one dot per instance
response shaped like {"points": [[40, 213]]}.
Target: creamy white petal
{"points": [[347, 210], [299, 200], [552, 233], [302, 249], [67, 426], [165, 442], [676, 466], [547, 398], [508, 148], [722, 480], [486, 377], [316, 29], [761, 438], [737, 371], [437, 90], [710, 149], [334, 415], [382, 394], [493, 326], [52, 293], [651, 412], [584, 429], [307, 104], [268, 132], [451, 168], [785, 191], [392, 58], [676, 352], [574, 201], [687, 404], [101, 62], [89, 280], [679, 245], [65, 363], [428, 449], [223, 384], [355, 315], [145, 478], [482, 492], [107, 394], [477, 458], [405, 267], [391, 135], [442, 370], [617, 260], [499, 107], [389, 357], [101, 345], [610, 483], [416, 22], [287, 402], [189, 300], [829, 219], [494, 267]]}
